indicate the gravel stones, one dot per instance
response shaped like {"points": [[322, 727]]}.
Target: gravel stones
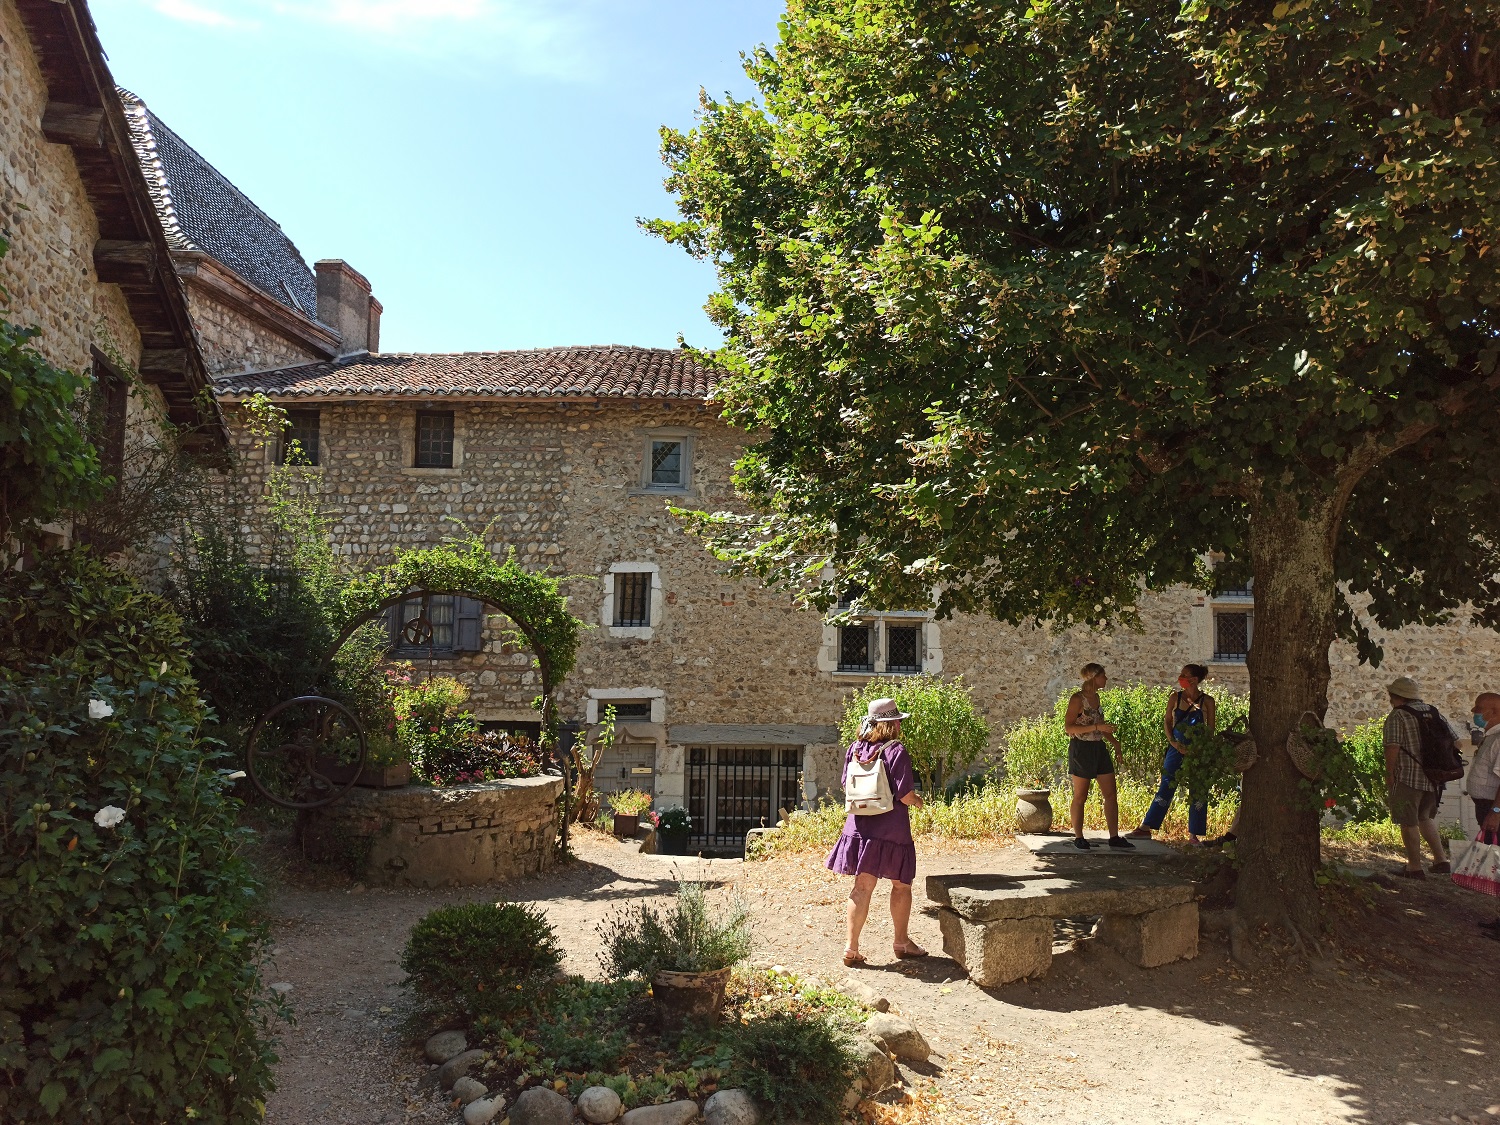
{"points": [[731, 1107], [483, 1111], [599, 1104], [541, 1106], [899, 1037], [673, 1113], [444, 1045], [459, 1065], [468, 1090]]}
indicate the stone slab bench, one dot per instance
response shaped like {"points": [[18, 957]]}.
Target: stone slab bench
{"points": [[999, 927]]}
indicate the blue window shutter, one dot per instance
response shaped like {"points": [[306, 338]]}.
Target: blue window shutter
{"points": [[468, 622]]}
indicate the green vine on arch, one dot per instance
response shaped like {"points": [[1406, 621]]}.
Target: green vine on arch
{"points": [[533, 601]]}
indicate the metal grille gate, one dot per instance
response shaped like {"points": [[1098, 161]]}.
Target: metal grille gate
{"points": [[732, 789]]}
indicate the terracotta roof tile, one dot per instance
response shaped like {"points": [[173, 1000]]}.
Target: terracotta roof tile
{"points": [[609, 371]]}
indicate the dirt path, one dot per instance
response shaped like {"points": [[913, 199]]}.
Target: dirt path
{"points": [[1409, 1039]]}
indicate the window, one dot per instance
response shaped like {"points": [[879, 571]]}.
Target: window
{"points": [[634, 709], [299, 441], [1232, 634], [434, 439], [857, 648], [666, 463], [632, 600], [903, 648], [437, 625]]}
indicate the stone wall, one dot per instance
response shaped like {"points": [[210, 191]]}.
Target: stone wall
{"points": [[231, 341], [419, 837], [560, 484]]}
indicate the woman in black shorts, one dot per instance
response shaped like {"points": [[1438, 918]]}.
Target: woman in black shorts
{"points": [[1089, 740]]}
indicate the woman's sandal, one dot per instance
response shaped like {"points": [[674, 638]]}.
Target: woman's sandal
{"points": [[910, 952], [853, 960]]}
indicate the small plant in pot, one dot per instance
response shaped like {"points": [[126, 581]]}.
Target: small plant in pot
{"points": [[685, 950], [627, 807], [673, 828]]}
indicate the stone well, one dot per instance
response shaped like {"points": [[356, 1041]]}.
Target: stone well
{"points": [[458, 836]]}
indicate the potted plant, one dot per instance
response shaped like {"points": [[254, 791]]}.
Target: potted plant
{"points": [[387, 765], [628, 807], [686, 951], [673, 827]]}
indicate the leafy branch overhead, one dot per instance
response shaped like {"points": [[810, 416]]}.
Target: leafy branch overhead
{"points": [[1032, 303]]}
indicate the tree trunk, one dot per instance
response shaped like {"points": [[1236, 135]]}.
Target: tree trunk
{"points": [[1292, 560]]}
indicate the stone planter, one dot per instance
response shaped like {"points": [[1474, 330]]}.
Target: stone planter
{"points": [[457, 836], [672, 841], [371, 777], [688, 997], [1033, 810], [626, 824]]}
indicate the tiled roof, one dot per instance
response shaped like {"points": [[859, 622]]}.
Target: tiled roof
{"points": [[201, 210], [608, 371]]}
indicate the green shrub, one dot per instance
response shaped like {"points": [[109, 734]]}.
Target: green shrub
{"points": [[440, 737], [481, 959], [129, 987], [945, 734], [797, 1065], [585, 1026], [687, 937], [629, 802]]}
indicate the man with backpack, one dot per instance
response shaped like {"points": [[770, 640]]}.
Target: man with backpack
{"points": [[1421, 756]]}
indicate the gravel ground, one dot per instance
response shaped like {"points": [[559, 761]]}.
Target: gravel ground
{"points": [[1401, 1026]]}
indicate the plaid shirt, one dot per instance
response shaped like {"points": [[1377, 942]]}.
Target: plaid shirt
{"points": [[1403, 730]]}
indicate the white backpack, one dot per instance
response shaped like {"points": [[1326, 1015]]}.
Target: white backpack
{"points": [[867, 790]]}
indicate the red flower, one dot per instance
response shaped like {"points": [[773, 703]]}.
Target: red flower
{"points": [[1328, 804]]}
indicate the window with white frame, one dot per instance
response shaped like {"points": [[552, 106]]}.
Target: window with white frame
{"points": [[879, 642], [632, 605], [1233, 629], [632, 599]]}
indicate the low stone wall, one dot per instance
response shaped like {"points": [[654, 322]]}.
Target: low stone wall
{"points": [[459, 836]]}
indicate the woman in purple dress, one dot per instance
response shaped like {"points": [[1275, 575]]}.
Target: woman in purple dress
{"points": [[879, 845]]}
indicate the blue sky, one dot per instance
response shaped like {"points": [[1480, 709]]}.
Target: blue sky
{"points": [[483, 162]]}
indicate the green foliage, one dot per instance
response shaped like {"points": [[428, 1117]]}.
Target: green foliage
{"points": [[675, 819], [1351, 774], [586, 1023], [1036, 750], [945, 734], [687, 937], [47, 464], [797, 1065], [481, 959], [629, 802], [130, 989], [431, 723]]}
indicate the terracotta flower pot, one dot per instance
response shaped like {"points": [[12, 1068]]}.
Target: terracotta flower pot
{"points": [[689, 997], [1033, 810]]}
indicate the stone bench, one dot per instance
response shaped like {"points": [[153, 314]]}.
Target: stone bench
{"points": [[999, 927]]}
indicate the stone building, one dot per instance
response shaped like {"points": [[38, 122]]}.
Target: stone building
{"points": [[87, 251], [727, 693]]}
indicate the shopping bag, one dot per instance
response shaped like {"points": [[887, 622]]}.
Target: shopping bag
{"points": [[1479, 867]]}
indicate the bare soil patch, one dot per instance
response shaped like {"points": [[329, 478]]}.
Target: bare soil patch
{"points": [[1397, 1022]]}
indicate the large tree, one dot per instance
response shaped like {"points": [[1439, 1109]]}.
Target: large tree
{"points": [[1040, 305]]}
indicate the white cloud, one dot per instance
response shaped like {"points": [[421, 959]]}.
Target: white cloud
{"points": [[542, 37]]}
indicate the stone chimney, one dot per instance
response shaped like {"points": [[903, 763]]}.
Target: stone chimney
{"points": [[345, 305]]}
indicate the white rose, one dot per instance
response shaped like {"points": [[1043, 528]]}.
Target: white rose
{"points": [[109, 816], [98, 709]]}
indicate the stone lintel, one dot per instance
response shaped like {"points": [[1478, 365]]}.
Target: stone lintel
{"points": [[1112, 890], [752, 734]]}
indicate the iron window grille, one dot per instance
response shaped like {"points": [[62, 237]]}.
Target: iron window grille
{"points": [[732, 789], [1231, 637], [434, 439], [299, 441], [666, 464], [857, 648], [628, 708], [903, 648], [633, 599]]}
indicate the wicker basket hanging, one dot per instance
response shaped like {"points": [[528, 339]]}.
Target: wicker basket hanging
{"points": [[1245, 753], [1301, 752]]}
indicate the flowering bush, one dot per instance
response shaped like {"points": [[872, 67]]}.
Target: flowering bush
{"points": [[130, 987], [629, 802], [493, 756], [439, 735]]}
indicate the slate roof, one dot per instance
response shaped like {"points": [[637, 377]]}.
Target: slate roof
{"points": [[607, 371], [201, 210]]}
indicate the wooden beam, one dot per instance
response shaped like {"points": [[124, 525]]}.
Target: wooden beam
{"points": [[163, 365], [81, 126], [117, 259]]}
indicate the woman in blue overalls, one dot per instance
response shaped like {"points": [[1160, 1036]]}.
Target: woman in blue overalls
{"points": [[1188, 707]]}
